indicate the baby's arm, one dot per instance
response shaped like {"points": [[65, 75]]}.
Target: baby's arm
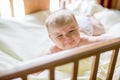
{"points": [[103, 37], [55, 49]]}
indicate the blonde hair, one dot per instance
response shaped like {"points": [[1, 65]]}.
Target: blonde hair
{"points": [[60, 17]]}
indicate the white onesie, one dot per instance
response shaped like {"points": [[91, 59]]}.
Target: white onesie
{"points": [[85, 25]]}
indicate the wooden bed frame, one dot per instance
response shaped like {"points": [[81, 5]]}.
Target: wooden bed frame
{"points": [[50, 62], [112, 4]]}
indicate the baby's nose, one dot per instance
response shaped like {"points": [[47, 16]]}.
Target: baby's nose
{"points": [[67, 39]]}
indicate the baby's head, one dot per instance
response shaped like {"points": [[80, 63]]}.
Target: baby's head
{"points": [[63, 29]]}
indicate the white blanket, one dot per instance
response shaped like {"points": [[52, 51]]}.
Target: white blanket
{"points": [[22, 40]]}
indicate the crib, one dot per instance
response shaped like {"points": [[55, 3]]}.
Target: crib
{"points": [[75, 56], [50, 62]]}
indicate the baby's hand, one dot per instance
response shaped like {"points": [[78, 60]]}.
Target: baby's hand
{"points": [[55, 49]]}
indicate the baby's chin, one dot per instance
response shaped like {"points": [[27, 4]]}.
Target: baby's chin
{"points": [[70, 47]]}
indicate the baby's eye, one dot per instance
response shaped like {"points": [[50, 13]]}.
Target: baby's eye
{"points": [[71, 31], [59, 36]]}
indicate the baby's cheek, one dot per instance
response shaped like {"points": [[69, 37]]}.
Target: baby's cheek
{"points": [[77, 37]]}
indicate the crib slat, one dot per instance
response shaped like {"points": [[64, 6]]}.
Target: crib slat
{"points": [[24, 77], [112, 64], [102, 2], [95, 67], [52, 73], [75, 70], [109, 4]]}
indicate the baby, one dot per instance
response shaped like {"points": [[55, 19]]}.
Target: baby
{"points": [[64, 31]]}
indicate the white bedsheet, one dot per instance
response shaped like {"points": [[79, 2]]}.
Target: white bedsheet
{"points": [[22, 40], [27, 39]]}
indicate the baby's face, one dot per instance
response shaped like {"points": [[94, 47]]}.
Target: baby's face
{"points": [[65, 37]]}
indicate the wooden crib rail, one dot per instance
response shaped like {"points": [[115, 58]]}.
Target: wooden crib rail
{"points": [[63, 57]]}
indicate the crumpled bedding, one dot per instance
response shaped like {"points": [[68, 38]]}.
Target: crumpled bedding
{"points": [[23, 40]]}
